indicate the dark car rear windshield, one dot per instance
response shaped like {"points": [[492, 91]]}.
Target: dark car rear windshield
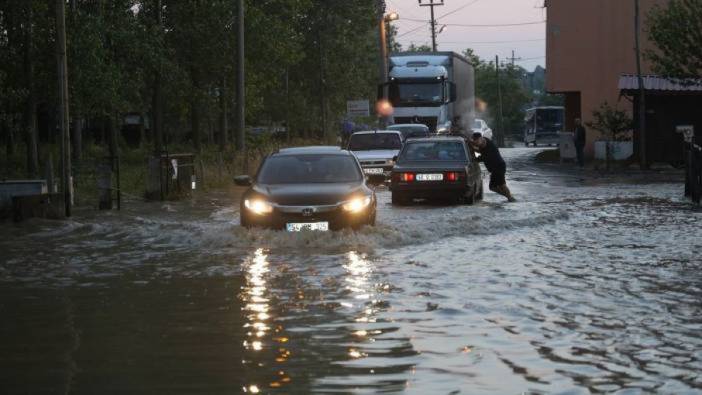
{"points": [[309, 169], [412, 131], [374, 141], [433, 150]]}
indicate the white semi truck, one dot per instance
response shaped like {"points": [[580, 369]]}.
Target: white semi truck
{"points": [[436, 89]]}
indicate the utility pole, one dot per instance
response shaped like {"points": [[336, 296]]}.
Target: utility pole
{"points": [[240, 103], [642, 91], [500, 134], [431, 4], [322, 90], [512, 59], [63, 104]]}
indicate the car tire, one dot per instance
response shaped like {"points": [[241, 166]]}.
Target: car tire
{"points": [[243, 219], [371, 220], [470, 197], [480, 192], [399, 199]]}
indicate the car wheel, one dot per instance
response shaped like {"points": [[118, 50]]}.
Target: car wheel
{"points": [[371, 220], [399, 199], [470, 197], [244, 220], [480, 191]]}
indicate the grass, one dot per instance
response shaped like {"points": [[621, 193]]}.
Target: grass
{"points": [[213, 168]]}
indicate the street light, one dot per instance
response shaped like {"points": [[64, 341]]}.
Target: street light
{"points": [[392, 16]]}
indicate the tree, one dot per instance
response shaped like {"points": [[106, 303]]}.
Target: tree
{"points": [[418, 48], [677, 32], [514, 96], [613, 123]]}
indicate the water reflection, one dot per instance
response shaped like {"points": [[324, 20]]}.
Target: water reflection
{"points": [[264, 340]]}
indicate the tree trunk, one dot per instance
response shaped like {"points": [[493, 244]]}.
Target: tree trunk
{"points": [[222, 117], [111, 136], [195, 123], [77, 139], [9, 139], [157, 100], [30, 111]]}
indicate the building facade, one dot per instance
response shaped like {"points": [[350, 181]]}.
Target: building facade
{"points": [[589, 45]]}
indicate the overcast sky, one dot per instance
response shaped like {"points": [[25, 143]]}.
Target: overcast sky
{"points": [[527, 40]]}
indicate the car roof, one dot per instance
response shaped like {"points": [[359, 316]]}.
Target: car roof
{"points": [[313, 149], [404, 125], [436, 138], [378, 132]]}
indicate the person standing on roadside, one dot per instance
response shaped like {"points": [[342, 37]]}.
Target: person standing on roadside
{"points": [[579, 140], [490, 156]]}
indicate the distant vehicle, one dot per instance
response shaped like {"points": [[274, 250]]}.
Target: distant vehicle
{"points": [[411, 130], [308, 188], [436, 168], [376, 149], [542, 125], [480, 126], [431, 88]]}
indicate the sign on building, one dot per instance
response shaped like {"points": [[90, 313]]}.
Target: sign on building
{"points": [[358, 108]]}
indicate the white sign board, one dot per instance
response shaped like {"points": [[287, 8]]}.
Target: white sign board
{"points": [[358, 108]]}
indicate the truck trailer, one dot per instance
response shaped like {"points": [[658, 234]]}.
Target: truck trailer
{"points": [[436, 89]]}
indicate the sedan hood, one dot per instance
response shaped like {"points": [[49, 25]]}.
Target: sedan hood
{"points": [[376, 154], [308, 194]]}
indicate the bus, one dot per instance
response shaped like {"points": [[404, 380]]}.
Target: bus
{"points": [[542, 125]]}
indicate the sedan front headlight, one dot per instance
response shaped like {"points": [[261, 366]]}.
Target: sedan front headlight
{"points": [[258, 206], [356, 205]]}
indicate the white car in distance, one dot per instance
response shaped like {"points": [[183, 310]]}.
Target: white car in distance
{"points": [[480, 126], [376, 149]]}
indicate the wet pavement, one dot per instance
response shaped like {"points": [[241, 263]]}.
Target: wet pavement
{"points": [[587, 284]]}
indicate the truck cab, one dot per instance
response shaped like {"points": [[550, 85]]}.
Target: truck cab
{"points": [[434, 89]]}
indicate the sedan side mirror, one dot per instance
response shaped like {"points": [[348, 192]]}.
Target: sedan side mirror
{"points": [[242, 181], [375, 179], [394, 158]]}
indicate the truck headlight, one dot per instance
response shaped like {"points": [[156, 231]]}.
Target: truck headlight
{"points": [[258, 206], [356, 205]]}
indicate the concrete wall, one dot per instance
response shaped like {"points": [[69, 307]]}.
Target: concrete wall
{"points": [[589, 43]]}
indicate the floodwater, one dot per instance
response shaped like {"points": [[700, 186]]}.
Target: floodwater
{"points": [[588, 284]]}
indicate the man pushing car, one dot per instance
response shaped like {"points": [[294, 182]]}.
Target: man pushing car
{"points": [[490, 156]]}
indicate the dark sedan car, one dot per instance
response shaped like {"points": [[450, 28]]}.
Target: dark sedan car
{"points": [[308, 188], [436, 168]]}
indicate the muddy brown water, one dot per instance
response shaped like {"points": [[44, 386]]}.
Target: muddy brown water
{"points": [[587, 284]]}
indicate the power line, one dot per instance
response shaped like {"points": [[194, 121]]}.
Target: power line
{"points": [[493, 42], [497, 25], [458, 9]]}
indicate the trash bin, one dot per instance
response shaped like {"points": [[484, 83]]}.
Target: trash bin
{"points": [[566, 145]]}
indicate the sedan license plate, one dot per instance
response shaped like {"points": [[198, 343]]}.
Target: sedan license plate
{"points": [[430, 177], [374, 170], [298, 227]]}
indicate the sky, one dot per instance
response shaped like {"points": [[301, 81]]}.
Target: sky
{"points": [[527, 38]]}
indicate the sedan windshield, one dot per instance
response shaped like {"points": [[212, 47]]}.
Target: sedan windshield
{"points": [[309, 169], [433, 150], [374, 141]]}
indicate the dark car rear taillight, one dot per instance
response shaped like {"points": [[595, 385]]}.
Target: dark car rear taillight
{"points": [[453, 176], [403, 177]]}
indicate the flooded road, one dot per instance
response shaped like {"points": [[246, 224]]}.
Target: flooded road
{"points": [[587, 284]]}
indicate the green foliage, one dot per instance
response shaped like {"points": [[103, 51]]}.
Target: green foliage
{"points": [[116, 47], [614, 124], [514, 96], [418, 48], [677, 32]]}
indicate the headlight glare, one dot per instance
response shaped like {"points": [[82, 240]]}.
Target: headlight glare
{"points": [[258, 206], [356, 205]]}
